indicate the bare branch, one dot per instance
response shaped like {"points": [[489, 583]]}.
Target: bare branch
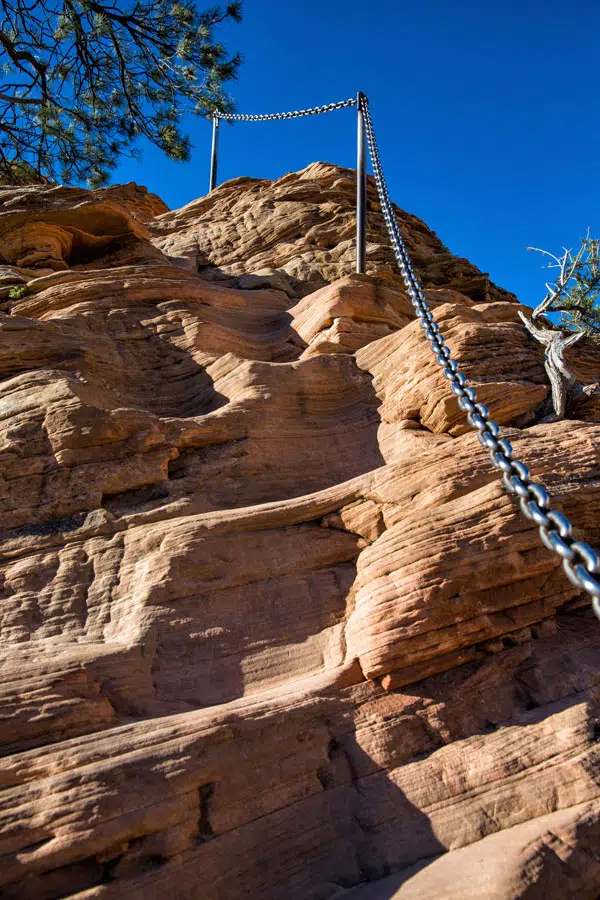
{"points": [[84, 78], [575, 295]]}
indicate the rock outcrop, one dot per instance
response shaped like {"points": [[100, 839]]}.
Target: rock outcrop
{"points": [[270, 625], [298, 233]]}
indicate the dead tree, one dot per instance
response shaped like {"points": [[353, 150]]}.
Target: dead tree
{"points": [[574, 295]]}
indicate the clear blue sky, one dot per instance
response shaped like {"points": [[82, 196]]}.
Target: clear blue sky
{"points": [[486, 115]]}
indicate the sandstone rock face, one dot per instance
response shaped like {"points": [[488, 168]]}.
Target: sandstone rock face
{"points": [[298, 233], [137, 199], [270, 625]]}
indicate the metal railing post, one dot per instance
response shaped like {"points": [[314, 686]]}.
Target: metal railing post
{"points": [[214, 156], [361, 190]]}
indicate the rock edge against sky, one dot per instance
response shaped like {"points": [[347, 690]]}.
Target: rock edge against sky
{"points": [[270, 625]]}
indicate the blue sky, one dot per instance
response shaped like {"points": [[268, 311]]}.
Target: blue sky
{"points": [[486, 115]]}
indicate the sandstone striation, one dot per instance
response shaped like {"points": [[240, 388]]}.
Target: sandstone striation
{"points": [[270, 625], [298, 233]]}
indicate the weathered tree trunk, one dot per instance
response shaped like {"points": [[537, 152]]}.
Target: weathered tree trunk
{"points": [[555, 343]]}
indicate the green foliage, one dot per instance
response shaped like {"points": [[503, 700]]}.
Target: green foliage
{"points": [[576, 293], [82, 80], [20, 173], [581, 300], [17, 292]]}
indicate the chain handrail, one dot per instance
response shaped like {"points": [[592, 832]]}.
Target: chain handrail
{"points": [[296, 114], [580, 561], [361, 165]]}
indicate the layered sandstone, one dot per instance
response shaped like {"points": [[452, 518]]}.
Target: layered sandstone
{"points": [[270, 625]]}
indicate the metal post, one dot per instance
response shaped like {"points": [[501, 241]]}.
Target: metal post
{"points": [[361, 190], [214, 157]]}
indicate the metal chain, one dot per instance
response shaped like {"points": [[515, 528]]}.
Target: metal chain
{"points": [[580, 561], [315, 111]]}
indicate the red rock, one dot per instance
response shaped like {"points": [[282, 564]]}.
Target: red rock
{"points": [[270, 625]]}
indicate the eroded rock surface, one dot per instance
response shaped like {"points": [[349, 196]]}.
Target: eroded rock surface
{"points": [[299, 233], [270, 625]]}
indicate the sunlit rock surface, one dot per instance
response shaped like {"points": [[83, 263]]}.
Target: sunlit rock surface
{"points": [[270, 625]]}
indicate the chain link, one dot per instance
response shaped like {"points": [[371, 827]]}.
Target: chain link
{"points": [[580, 561], [267, 117]]}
